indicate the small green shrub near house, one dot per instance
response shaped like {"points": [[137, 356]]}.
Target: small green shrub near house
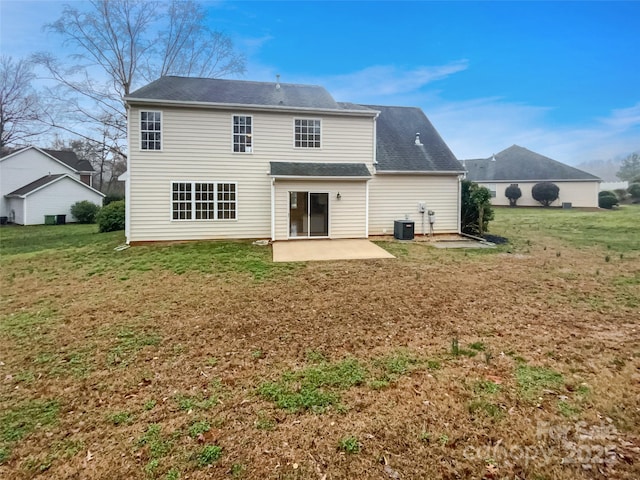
{"points": [[607, 199], [545, 193], [634, 192], [513, 193], [85, 211], [111, 217]]}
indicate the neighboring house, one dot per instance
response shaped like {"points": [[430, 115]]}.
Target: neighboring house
{"points": [[524, 168], [35, 182], [212, 158]]}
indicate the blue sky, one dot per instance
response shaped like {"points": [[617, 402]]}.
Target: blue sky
{"points": [[559, 78]]}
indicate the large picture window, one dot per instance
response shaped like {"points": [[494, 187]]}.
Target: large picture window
{"points": [[151, 130], [242, 134], [307, 133], [203, 201]]}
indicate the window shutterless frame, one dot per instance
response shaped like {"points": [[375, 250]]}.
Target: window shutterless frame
{"points": [[307, 133], [150, 130], [203, 201], [242, 133]]}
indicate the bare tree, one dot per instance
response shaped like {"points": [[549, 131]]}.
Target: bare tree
{"points": [[116, 49], [18, 102]]}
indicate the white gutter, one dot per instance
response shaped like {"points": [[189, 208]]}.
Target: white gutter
{"points": [[419, 172], [459, 202], [366, 208], [127, 183], [250, 106], [273, 209], [320, 177]]}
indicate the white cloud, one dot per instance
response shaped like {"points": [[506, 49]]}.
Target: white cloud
{"points": [[376, 83]]}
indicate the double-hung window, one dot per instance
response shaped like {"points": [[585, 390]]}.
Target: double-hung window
{"points": [[203, 201], [307, 133], [150, 130], [242, 133]]}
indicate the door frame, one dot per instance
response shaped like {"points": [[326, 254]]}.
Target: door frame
{"points": [[308, 235]]}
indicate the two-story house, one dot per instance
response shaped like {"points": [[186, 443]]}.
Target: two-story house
{"points": [[36, 183], [213, 158]]}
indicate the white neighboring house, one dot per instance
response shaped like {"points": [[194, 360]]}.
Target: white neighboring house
{"points": [[215, 159], [518, 166], [36, 182]]}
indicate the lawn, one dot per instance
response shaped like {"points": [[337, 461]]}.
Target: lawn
{"points": [[207, 360]]}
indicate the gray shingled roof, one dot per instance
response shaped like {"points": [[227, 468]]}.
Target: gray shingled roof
{"points": [[309, 169], [30, 187], [237, 92], [396, 148], [518, 163]]}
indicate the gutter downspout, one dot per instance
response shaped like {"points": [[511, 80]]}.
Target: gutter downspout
{"points": [[273, 209], [459, 203], [127, 183]]}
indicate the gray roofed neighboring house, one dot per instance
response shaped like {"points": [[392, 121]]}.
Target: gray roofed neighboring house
{"points": [[524, 168], [406, 141], [308, 169], [519, 164], [35, 185]]}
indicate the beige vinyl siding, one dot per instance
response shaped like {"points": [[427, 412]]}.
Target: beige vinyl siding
{"points": [[347, 216], [579, 194], [197, 146], [393, 197]]}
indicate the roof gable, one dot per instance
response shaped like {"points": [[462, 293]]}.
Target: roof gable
{"points": [[396, 148], [65, 157], [518, 163], [43, 182]]}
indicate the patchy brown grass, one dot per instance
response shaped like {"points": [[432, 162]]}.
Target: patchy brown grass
{"points": [[141, 373]]}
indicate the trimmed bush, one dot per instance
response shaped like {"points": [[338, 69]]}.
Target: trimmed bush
{"points": [[621, 193], [513, 193], [545, 193], [634, 191], [111, 217], [85, 211], [607, 199]]}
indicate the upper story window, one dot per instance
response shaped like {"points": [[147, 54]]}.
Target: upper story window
{"points": [[242, 133], [307, 133], [150, 130]]}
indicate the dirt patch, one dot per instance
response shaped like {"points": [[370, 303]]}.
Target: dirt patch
{"points": [[147, 369]]}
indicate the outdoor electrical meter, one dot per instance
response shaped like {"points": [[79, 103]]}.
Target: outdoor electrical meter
{"points": [[422, 207], [432, 216]]}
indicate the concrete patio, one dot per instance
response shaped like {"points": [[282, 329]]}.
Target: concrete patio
{"points": [[318, 250]]}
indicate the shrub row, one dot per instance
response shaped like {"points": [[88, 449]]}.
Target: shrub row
{"points": [[109, 218]]}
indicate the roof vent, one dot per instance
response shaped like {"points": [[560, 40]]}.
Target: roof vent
{"points": [[493, 157], [277, 82], [418, 139]]}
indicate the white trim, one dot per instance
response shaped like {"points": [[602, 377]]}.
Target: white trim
{"points": [[140, 130], [366, 209], [193, 201], [294, 134], [419, 172], [233, 134], [250, 106], [308, 236], [273, 209], [319, 177], [537, 180], [127, 184]]}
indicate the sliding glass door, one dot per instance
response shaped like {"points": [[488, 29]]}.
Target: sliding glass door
{"points": [[308, 214]]}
